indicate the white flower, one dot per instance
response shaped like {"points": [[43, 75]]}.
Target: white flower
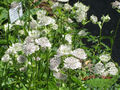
{"points": [[113, 71], [21, 32], [109, 64], [29, 63], [99, 68], [55, 26], [94, 19], [17, 47], [68, 37], [10, 63], [64, 50], [21, 59], [23, 69], [67, 28], [105, 57], [119, 6], [105, 18], [28, 40], [45, 31], [10, 50], [30, 48], [63, 0], [81, 12], [104, 73], [67, 6], [81, 16], [41, 13], [5, 58], [6, 26], [70, 20], [19, 22], [116, 4], [72, 63], [34, 33], [45, 20], [54, 63], [43, 42], [37, 58], [33, 24], [56, 4], [59, 75], [79, 53], [81, 6], [82, 33]]}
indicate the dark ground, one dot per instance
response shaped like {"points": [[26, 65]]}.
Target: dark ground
{"points": [[99, 8]]}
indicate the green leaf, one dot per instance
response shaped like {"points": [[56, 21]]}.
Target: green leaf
{"points": [[101, 83], [3, 42], [52, 85], [76, 80], [3, 14]]}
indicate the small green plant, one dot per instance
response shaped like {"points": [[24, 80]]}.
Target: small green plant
{"points": [[48, 50]]}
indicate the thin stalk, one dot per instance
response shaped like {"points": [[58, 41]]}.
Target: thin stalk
{"points": [[61, 25], [31, 77], [36, 74], [29, 15], [62, 28], [25, 24], [48, 70], [39, 65], [69, 80], [100, 37], [100, 34], [115, 35], [43, 73], [7, 32], [39, 68], [21, 23], [4, 73]]}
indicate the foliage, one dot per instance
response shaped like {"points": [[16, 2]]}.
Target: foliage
{"points": [[49, 48], [101, 83]]}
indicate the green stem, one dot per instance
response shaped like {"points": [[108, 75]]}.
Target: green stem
{"points": [[69, 76], [99, 40], [7, 32], [43, 73], [31, 77], [100, 34], [28, 15], [62, 28], [38, 69], [48, 70], [4, 73], [115, 35]]}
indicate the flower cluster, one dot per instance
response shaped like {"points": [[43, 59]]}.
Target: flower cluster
{"points": [[57, 41], [116, 4], [72, 63], [79, 53], [94, 19], [22, 51], [105, 57], [54, 63], [104, 70], [81, 12]]}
